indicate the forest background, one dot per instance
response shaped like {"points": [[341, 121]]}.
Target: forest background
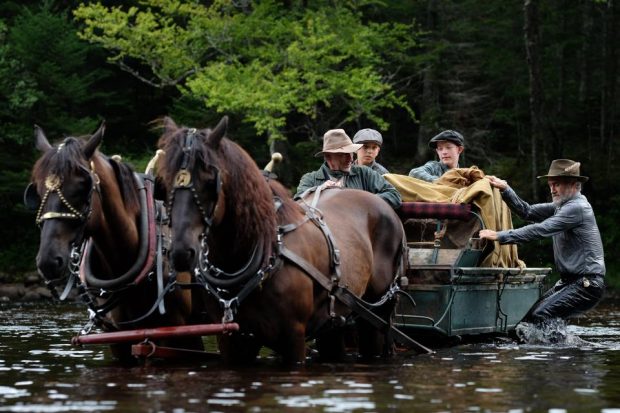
{"points": [[524, 81]]}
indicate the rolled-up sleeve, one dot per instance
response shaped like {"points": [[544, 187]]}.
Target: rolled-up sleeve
{"points": [[567, 217]]}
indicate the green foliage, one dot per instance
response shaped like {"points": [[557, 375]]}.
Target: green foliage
{"points": [[294, 69], [45, 78], [279, 68]]}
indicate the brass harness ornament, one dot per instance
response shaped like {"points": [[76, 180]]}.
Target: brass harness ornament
{"points": [[53, 183]]}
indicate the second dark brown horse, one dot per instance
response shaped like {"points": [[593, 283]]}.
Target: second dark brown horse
{"points": [[231, 224]]}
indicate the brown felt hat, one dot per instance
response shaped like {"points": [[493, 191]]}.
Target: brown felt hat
{"points": [[337, 141], [564, 168]]}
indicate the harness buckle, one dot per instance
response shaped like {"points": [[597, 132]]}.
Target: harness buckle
{"points": [[332, 302], [336, 256], [229, 311]]}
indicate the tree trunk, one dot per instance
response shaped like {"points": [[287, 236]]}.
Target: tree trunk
{"points": [[608, 92], [585, 78], [532, 39], [429, 94]]}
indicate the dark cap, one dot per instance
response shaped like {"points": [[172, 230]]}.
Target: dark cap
{"points": [[447, 135]]}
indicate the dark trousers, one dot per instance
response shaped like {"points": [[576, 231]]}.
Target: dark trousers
{"points": [[567, 298]]}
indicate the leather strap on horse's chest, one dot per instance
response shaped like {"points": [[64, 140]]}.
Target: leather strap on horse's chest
{"points": [[310, 269]]}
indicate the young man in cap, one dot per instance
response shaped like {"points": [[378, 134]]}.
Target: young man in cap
{"points": [[449, 145], [577, 246], [367, 154], [338, 170]]}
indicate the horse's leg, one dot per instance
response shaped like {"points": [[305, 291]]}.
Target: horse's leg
{"points": [[386, 258], [122, 353], [238, 349], [330, 345], [293, 344]]}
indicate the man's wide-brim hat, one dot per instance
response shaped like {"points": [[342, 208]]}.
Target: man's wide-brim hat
{"points": [[337, 141], [565, 168]]}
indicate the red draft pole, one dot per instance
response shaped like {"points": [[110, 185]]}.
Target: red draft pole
{"points": [[155, 333]]}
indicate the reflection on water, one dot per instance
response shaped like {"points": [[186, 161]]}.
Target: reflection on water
{"points": [[41, 372]]}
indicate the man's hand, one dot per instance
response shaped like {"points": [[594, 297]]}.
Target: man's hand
{"points": [[488, 234], [497, 183], [331, 184]]}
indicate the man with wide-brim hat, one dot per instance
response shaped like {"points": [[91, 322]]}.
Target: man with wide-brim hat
{"points": [[448, 145], [338, 170], [577, 247]]}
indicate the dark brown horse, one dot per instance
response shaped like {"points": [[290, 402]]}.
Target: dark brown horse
{"points": [[249, 241], [82, 195]]}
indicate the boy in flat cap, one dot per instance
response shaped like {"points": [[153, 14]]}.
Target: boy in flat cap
{"points": [[449, 146], [577, 247], [367, 154]]}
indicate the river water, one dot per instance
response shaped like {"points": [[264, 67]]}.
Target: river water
{"points": [[40, 371]]}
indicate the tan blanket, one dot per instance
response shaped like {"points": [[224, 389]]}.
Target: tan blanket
{"points": [[465, 185]]}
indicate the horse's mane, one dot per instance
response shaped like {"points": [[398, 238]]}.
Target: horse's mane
{"points": [[69, 159], [127, 184], [289, 210], [248, 196]]}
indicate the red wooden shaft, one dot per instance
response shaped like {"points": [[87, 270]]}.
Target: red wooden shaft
{"points": [[155, 333]]}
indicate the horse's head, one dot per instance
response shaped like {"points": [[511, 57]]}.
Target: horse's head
{"points": [[219, 202], [193, 177], [61, 193]]}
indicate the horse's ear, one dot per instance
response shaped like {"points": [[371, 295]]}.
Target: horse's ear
{"points": [[94, 141], [168, 124], [218, 133], [40, 140]]}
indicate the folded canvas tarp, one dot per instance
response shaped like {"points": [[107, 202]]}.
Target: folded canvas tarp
{"points": [[465, 185]]}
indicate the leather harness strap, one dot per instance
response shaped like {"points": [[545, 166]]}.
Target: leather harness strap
{"points": [[307, 267]]}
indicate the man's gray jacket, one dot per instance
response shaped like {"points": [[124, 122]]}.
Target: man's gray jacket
{"points": [[577, 245]]}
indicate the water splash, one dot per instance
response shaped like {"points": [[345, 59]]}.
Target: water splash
{"points": [[551, 332]]}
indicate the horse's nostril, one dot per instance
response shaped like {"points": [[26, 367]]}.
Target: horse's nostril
{"points": [[51, 267], [183, 259]]}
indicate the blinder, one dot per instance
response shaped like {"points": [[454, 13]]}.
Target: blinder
{"points": [[53, 183], [32, 200], [184, 180]]}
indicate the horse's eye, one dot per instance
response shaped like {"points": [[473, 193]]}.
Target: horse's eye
{"points": [[210, 185]]}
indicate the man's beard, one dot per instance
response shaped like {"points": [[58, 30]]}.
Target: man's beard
{"points": [[561, 199]]}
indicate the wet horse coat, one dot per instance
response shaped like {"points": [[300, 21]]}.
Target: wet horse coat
{"points": [[230, 223], [83, 195]]}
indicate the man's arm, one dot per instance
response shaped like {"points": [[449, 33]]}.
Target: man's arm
{"points": [[378, 185], [569, 216], [532, 213], [306, 182], [428, 172]]}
